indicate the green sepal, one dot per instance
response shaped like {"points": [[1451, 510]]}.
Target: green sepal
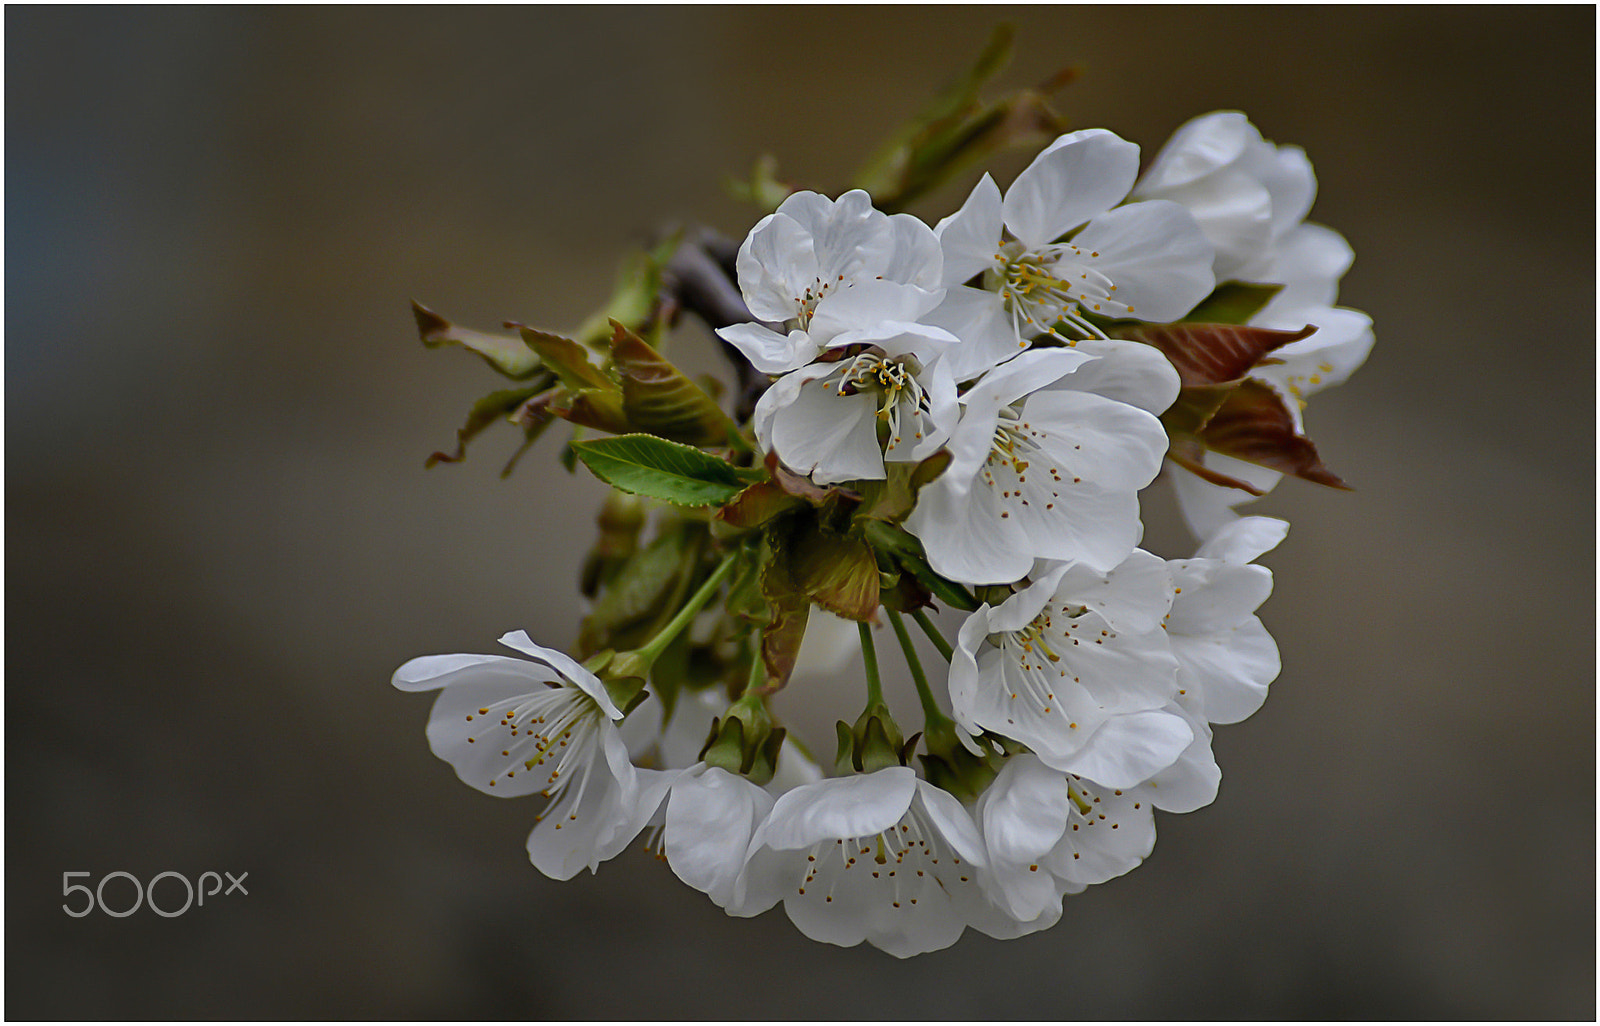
{"points": [[740, 737], [893, 498], [1233, 302], [844, 758], [654, 467], [626, 692], [878, 741], [958, 771], [505, 353], [658, 399], [764, 765]]}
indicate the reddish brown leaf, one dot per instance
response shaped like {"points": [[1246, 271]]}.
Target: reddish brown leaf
{"points": [[1253, 424], [1211, 354]]}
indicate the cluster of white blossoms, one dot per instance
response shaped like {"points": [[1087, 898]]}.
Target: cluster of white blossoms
{"points": [[961, 415]]}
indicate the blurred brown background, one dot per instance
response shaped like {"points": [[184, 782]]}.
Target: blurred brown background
{"points": [[220, 539]]}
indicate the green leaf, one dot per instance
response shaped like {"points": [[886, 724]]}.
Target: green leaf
{"points": [[598, 408], [492, 407], [568, 359], [763, 189], [639, 592], [654, 467], [1211, 354], [1233, 302], [657, 398], [505, 353]]}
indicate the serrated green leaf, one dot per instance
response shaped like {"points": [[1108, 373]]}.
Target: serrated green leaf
{"points": [[505, 353], [654, 467], [1233, 302]]}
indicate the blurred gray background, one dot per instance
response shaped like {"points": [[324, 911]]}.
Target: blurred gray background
{"points": [[220, 538]]}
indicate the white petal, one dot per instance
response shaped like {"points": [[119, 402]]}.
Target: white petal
{"points": [[1130, 749], [1308, 262], [970, 237], [1206, 507], [1230, 670], [426, 673], [862, 305], [776, 263], [856, 806], [978, 318], [1129, 372], [1112, 838], [1155, 254], [579, 829], [1191, 781], [1215, 596], [1133, 597], [828, 436], [1234, 210], [1199, 148], [568, 667], [711, 816], [1078, 176], [1245, 540], [767, 350]]}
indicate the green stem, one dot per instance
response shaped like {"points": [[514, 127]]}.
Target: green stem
{"points": [[933, 634], [758, 667], [687, 614], [869, 655], [932, 715]]}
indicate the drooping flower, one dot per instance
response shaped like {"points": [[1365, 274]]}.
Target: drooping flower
{"points": [[1045, 466], [1078, 654], [513, 727], [883, 857], [1146, 260], [1049, 833], [824, 419], [826, 269]]}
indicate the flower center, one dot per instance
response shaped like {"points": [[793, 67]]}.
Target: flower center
{"points": [[907, 862], [806, 303], [1054, 284], [554, 730], [1018, 470], [895, 380]]}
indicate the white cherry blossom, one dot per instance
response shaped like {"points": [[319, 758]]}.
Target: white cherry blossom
{"points": [[1077, 667], [882, 857], [823, 419], [512, 727], [825, 269], [1144, 260], [1045, 466]]}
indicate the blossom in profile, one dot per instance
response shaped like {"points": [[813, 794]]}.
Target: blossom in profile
{"points": [[513, 727]]}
